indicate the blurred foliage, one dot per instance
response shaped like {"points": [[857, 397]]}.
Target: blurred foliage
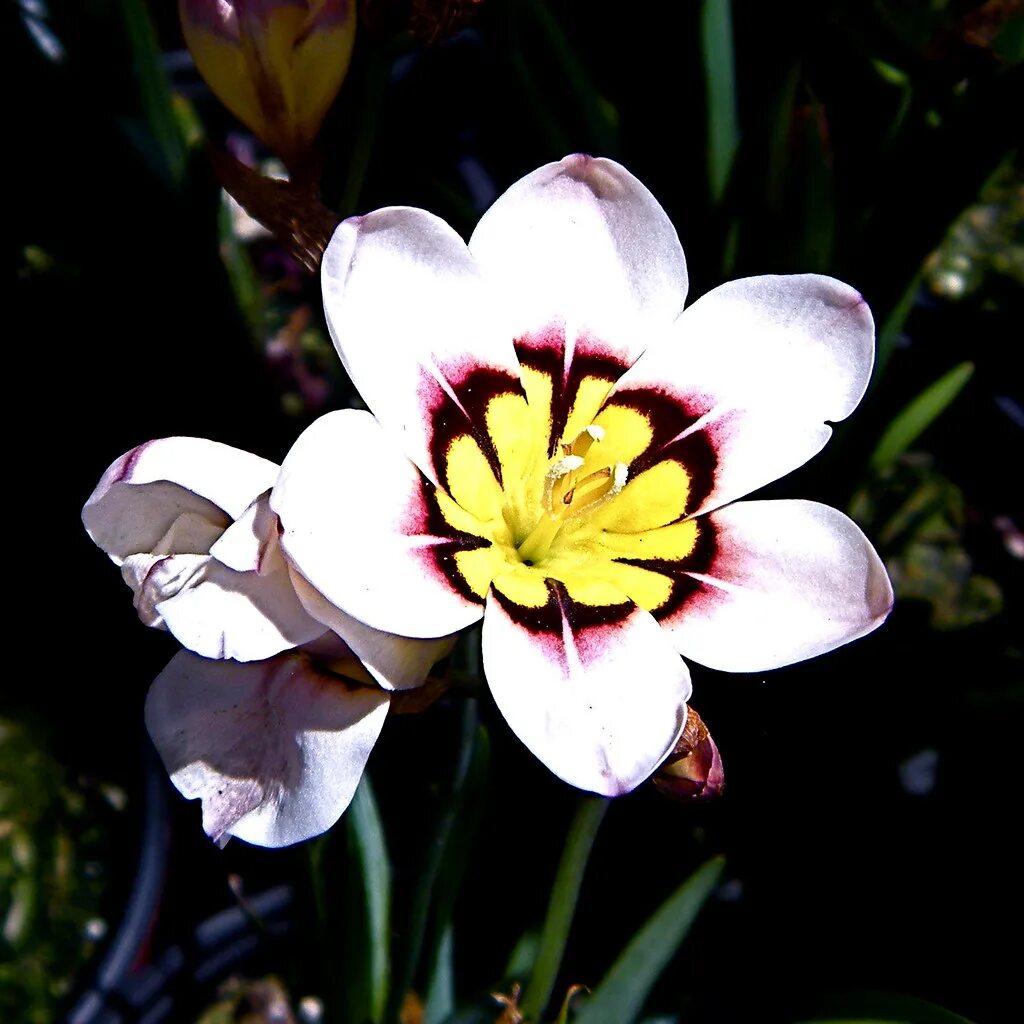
{"points": [[56, 835], [986, 240], [917, 518], [263, 1001]]}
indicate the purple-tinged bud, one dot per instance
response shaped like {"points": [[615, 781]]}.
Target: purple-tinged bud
{"points": [[693, 771], [275, 64]]}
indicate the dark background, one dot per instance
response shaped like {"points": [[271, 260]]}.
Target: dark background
{"points": [[838, 877]]}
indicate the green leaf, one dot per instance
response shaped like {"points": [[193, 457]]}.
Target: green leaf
{"points": [[161, 119], [367, 957], [621, 994], [439, 1001], [467, 802], [599, 117], [916, 417], [892, 327], [562, 904], [720, 89], [523, 957], [444, 859], [882, 1008]]}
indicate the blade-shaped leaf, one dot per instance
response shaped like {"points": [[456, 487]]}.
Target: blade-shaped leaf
{"points": [[468, 799], [367, 959], [881, 1008], [916, 417], [437, 884], [562, 904], [154, 91], [892, 327], [720, 88], [621, 994]]}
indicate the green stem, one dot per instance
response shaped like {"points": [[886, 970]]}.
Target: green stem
{"points": [[562, 906]]}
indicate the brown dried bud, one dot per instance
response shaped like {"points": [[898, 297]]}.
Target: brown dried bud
{"points": [[693, 771]]}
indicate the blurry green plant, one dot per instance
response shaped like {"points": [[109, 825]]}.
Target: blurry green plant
{"points": [[985, 241], [918, 517], [56, 838]]}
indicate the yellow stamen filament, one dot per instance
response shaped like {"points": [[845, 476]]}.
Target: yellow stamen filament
{"points": [[567, 496]]}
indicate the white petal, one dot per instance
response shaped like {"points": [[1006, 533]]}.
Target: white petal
{"points": [[789, 580], [583, 244], [274, 749], [142, 494], [411, 319], [354, 524], [763, 362], [601, 706], [396, 662], [220, 613], [157, 578], [250, 543]]}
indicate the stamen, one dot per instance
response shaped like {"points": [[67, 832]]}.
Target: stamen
{"points": [[601, 474], [584, 440], [612, 480], [566, 498], [556, 473]]}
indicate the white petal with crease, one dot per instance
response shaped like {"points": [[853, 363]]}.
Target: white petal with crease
{"points": [[766, 360], [274, 749], [142, 493], [396, 662], [601, 710], [582, 242], [221, 613], [406, 306], [790, 580]]}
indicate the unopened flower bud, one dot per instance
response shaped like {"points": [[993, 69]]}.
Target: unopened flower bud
{"points": [[275, 64], [693, 771]]}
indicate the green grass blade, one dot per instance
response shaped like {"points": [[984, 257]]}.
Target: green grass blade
{"points": [[367, 960], [916, 417], [562, 905], [621, 994], [720, 89], [881, 1008], [892, 327], [430, 886], [468, 800], [154, 91]]}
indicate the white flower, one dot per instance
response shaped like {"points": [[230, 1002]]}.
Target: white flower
{"points": [[271, 740], [274, 749], [188, 522], [556, 445]]}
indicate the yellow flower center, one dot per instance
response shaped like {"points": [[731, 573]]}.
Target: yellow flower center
{"points": [[595, 511]]}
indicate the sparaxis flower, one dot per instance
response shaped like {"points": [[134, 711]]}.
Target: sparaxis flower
{"points": [[556, 446], [270, 715], [188, 522], [275, 64]]}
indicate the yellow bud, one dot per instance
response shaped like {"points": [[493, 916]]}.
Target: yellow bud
{"points": [[275, 64]]}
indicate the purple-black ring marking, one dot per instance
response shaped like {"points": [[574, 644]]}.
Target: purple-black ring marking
{"points": [[684, 589], [669, 415], [545, 353], [547, 619], [475, 389]]}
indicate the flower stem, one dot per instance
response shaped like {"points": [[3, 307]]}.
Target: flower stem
{"points": [[562, 905]]}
